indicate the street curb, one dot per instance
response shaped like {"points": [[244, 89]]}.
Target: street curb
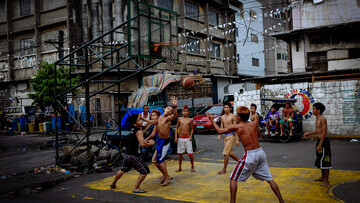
{"points": [[346, 138]]}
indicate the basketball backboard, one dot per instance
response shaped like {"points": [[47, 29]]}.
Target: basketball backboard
{"points": [[149, 25]]}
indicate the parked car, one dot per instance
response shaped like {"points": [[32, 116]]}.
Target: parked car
{"points": [[201, 121], [17, 111]]}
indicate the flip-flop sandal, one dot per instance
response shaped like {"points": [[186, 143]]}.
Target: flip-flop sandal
{"points": [[164, 181], [139, 191], [112, 186]]}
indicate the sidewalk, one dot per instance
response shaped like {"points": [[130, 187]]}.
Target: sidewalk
{"points": [[28, 163]]}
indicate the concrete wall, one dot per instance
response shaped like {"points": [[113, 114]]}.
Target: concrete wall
{"points": [[326, 13], [341, 99], [298, 57]]}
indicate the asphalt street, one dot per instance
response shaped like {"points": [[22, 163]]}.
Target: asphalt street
{"points": [[291, 164]]}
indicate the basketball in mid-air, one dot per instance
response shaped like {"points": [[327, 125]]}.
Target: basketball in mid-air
{"points": [[188, 83]]}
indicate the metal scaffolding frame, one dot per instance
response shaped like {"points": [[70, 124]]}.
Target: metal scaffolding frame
{"points": [[112, 56]]}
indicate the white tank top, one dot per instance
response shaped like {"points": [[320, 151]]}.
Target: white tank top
{"points": [[148, 117]]}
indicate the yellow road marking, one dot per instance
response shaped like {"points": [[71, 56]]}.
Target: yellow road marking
{"points": [[221, 160], [205, 185]]}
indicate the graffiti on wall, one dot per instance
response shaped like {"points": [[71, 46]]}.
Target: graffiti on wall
{"points": [[351, 106], [304, 101]]}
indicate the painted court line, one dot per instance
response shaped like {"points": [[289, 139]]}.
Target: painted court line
{"points": [[205, 185]]}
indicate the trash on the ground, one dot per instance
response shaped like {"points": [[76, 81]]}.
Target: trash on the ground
{"points": [[39, 188], [284, 157], [3, 177], [36, 170], [354, 140]]}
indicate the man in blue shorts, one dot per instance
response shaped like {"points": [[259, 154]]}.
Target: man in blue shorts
{"points": [[163, 142]]}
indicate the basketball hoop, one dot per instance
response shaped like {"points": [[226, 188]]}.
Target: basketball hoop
{"points": [[169, 51]]}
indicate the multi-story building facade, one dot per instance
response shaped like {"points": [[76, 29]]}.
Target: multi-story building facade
{"points": [[259, 53], [250, 41], [35, 31], [324, 35]]}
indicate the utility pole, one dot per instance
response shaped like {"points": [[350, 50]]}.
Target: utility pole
{"points": [[59, 45]]}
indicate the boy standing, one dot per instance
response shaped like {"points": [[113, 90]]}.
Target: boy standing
{"points": [[254, 160], [131, 157], [254, 117], [323, 152], [163, 143], [185, 125], [226, 120]]}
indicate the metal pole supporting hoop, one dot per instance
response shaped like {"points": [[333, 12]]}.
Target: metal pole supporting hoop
{"points": [[169, 52]]}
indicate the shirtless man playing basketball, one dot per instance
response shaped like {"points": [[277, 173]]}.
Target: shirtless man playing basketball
{"points": [[254, 160], [163, 143]]}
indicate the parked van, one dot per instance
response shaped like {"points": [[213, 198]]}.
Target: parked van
{"points": [[229, 98]]}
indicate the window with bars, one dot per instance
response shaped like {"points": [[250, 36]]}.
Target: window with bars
{"points": [[277, 15], [167, 4], [254, 38], [192, 10], [238, 58], [213, 18], [317, 61], [214, 50], [255, 62], [193, 45], [25, 7], [281, 56], [26, 46]]}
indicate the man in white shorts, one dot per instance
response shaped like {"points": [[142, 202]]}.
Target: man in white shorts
{"points": [[185, 127], [254, 160]]}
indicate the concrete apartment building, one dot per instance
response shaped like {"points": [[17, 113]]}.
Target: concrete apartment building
{"points": [[258, 53], [35, 31], [324, 35]]}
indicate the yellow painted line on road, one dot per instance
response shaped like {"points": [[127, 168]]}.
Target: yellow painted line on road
{"points": [[205, 185], [220, 160]]}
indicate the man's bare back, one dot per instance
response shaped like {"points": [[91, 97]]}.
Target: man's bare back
{"points": [[247, 132], [248, 135], [319, 125]]}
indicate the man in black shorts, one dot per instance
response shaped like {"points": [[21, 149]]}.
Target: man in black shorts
{"points": [[132, 157], [323, 152]]}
